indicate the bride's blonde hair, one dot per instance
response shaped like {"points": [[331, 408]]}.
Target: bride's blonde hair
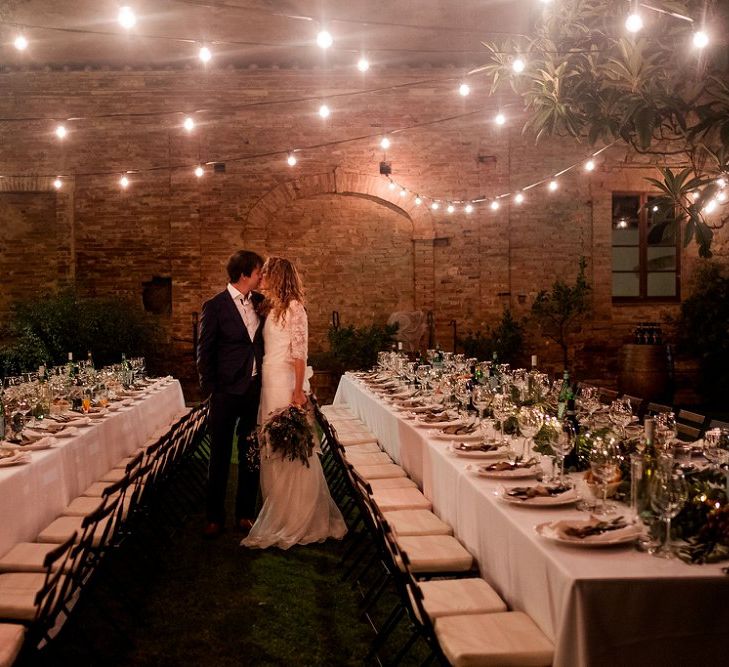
{"points": [[283, 285]]}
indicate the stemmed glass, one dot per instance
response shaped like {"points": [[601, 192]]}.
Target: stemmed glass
{"points": [[621, 413], [482, 397], [669, 493], [530, 420], [604, 466], [502, 409], [561, 440], [666, 429]]}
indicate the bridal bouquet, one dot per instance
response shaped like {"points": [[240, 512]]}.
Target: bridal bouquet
{"points": [[289, 432]]}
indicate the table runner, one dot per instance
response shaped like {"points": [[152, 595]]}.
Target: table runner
{"points": [[33, 495], [599, 606]]}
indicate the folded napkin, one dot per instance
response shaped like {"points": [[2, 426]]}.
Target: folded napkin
{"points": [[460, 429], [81, 421], [477, 446], [594, 530], [67, 432], [503, 466], [537, 492]]}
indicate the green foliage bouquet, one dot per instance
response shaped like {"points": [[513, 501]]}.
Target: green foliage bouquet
{"points": [[288, 431]]}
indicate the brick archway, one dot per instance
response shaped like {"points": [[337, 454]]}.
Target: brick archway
{"points": [[340, 182]]}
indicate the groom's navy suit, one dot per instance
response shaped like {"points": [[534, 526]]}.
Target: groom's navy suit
{"points": [[225, 356]]}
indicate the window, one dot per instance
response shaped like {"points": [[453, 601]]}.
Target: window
{"points": [[645, 250]]}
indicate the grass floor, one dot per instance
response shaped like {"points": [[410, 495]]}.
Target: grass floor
{"points": [[199, 602]]}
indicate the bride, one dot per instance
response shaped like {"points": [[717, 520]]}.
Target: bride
{"points": [[297, 507]]}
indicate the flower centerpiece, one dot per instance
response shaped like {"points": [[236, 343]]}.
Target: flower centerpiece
{"points": [[288, 432]]}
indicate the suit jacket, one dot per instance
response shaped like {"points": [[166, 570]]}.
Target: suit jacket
{"points": [[225, 351]]}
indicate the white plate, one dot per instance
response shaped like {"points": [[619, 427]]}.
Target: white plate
{"points": [[69, 432], [438, 425], [519, 473], [113, 407], [18, 459], [564, 498], [477, 454], [622, 536], [476, 436]]}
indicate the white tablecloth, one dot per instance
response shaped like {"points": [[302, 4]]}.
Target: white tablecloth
{"points": [[33, 495], [599, 606]]}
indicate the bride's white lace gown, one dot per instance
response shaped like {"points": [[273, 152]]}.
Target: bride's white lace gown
{"points": [[297, 506]]}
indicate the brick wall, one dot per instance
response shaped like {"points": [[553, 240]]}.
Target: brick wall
{"points": [[362, 249]]}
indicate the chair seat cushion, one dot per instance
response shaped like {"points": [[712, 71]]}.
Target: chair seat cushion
{"points": [[382, 471], [365, 448], [85, 505], [392, 483], [114, 475], [12, 637], [435, 553], [359, 438], [451, 597], [63, 527], [368, 458], [389, 500], [17, 594], [27, 557], [96, 490], [410, 522], [506, 639], [339, 411]]}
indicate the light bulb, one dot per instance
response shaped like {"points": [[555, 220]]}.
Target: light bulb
{"points": [[199, 171], [553, 185], [435, 206], [590, 165], [418, 201], [464, 89], [519, 198], [61, 132], [700, 39], [495, 205], [385, 143], [518, 65], [126, 18], [500, 119], [58, 183], [655, 209], [403, 192], [291, 160], [20, 43], [391, 185], [204, 54], [469, 208], [710, 206], [722, 196], [634, 23], [695, 195], [324, 111], [363, 64], [451, 208], [124, 182], [189, 124], [324, 39], [721, 182]]}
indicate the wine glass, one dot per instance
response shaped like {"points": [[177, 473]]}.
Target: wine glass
{"points": [[669, 493], [561, 440], [530, 420], [482, 398], [502, 408], [604, 465], [621, 413], [666, 430]]}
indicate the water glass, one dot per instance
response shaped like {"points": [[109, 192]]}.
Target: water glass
{"points": [[669, 493]]}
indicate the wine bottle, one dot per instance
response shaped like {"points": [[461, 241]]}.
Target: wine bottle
{"points": [[89, 360], [565, 394]]}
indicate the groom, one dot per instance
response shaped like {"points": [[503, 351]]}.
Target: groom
{"points": [[229, 357]]}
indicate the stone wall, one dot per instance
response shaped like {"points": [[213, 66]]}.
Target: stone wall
{"points": [[363, 250]]}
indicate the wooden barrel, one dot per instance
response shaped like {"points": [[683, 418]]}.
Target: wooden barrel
{"points": [[644, 371]]}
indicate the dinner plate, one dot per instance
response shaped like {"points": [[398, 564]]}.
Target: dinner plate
{"points": [[550, 531], [564, 498], [476, 454], [68, 432], [438, 425], [18, 459], [476, 436], [519, 473]]}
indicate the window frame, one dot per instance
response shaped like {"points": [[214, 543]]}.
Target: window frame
{"points": [[643, 198]]}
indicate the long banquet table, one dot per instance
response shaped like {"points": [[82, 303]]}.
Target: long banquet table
{"points": [[608, 606], [34, 494]]}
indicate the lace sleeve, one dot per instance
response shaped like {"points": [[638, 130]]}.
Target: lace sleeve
{"points": [[299, 328]]}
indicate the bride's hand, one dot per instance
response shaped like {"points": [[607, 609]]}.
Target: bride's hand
{"points": [[299, 397]]}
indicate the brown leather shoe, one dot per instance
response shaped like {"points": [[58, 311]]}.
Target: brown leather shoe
{"points": [[245, 525], [212, 529]]}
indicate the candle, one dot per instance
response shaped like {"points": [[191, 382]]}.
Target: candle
{"points": [[534, 361]]}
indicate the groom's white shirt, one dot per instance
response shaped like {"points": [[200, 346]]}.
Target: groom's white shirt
{"points": [[248, 315]]}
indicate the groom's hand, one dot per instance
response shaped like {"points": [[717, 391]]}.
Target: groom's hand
{"points": [[299, 397]]}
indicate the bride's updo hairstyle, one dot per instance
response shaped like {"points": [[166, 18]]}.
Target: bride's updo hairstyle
{"points": [[283, 285]]}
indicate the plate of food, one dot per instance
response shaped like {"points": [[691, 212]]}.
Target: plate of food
{"points": [[590, 532], [477, 450], [538, 495], [506, 469]]}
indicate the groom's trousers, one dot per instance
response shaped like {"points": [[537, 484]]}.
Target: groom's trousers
{"points": [[225, 411]]}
